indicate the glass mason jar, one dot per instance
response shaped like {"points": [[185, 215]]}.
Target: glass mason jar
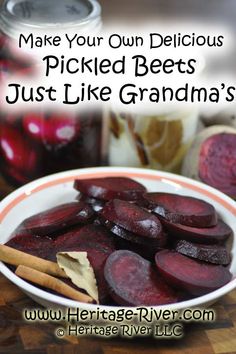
{"points": [[33, 144], [157, 141]]}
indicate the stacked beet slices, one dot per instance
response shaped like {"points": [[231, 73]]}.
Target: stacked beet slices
{"points": [[145, 248], [97, 191]]}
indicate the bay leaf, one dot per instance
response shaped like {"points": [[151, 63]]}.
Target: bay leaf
{"points": [[78, 268]]}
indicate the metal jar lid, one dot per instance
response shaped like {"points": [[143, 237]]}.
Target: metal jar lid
{"points": [[29, 15]]}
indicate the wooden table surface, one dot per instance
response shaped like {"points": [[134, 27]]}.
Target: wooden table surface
{"points": [[18, 336]]}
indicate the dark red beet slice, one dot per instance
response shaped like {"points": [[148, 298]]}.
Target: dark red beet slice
{"points": [[37, 246], [132, 218], [133, 281], [217, 162], [209, 235], [97, 242], [58, 218], [89, 234], [110, 188], [181, 209], [146, 251], [155, 244], [194, 276], [209, 253], [96, 204]]}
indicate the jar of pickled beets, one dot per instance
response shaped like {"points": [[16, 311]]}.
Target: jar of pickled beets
{"points": [[37, 143]]}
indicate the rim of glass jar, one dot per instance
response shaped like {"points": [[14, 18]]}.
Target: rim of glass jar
{"points": [[10, 24]]}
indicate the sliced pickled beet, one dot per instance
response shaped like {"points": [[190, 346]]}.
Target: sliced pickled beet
{"points": [[124, 239], [132, 218], [146, 251], [96, 204], [194, 276], [110, 188], [181, 209], [58, 218], [208, 235], [133, 281], [217, 162], [155, 243], [34, 245], [89, 234], [52, 130], [209, 253]]}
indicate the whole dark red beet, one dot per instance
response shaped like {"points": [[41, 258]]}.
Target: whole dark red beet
{"points": [[134, 282], [194, 276], [208, 235], [208, 253], [108, 188], [58, 218], [180, 209], [54, 130], [217, 162], [132, 218], [17, 153]]}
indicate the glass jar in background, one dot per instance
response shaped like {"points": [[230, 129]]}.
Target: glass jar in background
{"points": [[79, 16], [37, 143], [156, 141]]}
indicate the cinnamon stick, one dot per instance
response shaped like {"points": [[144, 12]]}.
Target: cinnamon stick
{"points": [[49, 282], [14, 257]]}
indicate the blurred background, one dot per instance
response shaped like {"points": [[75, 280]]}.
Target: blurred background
{"points": [[40, 143], [138, 10]]}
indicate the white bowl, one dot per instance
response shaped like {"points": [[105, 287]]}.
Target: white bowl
{"points": [[56, 189]]}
